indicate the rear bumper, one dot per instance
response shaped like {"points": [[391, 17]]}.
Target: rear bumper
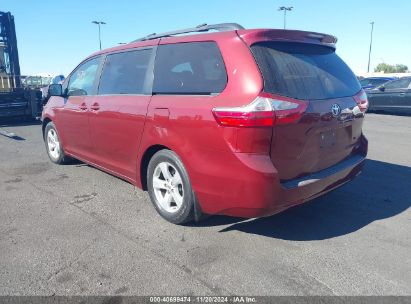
{"points": [[304, 189], [307, 180], [256, 191]]}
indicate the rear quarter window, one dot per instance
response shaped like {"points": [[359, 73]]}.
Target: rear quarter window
{"points": [[189, 68], [304, 71]]}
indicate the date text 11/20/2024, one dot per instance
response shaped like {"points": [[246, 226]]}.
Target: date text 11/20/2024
{"points": [[203, 299]]}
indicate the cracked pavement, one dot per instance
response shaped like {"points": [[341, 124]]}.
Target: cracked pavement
{"points": [[75, 230]]}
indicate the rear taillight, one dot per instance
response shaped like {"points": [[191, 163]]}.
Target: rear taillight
{"points": [[362, 101], [259, 113], [265, 111], [288, 110]]}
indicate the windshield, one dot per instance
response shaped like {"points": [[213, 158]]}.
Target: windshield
{"points": [[304, 71]]}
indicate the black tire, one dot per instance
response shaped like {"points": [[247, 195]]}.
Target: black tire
{"points": [[61, 158], [185, 213]]}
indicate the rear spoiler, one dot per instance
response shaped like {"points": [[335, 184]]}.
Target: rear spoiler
{"points": [[259, 35]]}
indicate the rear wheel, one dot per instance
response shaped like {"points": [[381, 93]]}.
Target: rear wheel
{"points": [[169, 187], [53, 145]]}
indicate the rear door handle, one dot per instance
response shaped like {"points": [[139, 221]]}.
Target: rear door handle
{"points": [[83, 106], [95, 107], [402, 94]]}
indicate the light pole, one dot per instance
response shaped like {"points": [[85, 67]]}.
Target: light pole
{"points": [[369, 54], [285, 9], [99, 23]]}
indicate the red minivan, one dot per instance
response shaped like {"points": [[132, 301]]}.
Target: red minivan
{"points": [[221, 120]]}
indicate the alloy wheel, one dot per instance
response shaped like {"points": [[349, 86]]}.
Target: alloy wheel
{"points": [[168, 187], [53, 144]]}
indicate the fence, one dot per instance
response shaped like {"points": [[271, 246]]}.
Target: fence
{"points": [[8, 83]]}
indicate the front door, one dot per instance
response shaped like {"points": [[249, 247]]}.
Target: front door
{"points": [[380, 99], [401, 96], [73, 118]]}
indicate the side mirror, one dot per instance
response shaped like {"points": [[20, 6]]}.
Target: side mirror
{"points": [[56, 90], [381, 88]]}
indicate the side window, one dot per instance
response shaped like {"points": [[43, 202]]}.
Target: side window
{"points": [[212, 69], [82, 80], [398, 84], [189, 68], [125, 73]]}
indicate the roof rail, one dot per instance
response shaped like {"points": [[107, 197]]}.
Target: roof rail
{"points": [[221, 27]]}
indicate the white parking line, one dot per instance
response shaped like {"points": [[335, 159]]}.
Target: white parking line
{"points": [[7, 133]]}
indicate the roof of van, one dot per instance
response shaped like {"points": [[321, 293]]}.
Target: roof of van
{"points": [[249, 36]]}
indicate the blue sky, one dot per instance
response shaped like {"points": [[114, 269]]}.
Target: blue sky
{"points": [[54, 36]]}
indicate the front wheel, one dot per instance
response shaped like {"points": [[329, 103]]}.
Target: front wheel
{"points": [[169, 187], [53, 145]]}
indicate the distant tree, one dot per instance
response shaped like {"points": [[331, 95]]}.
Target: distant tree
{"points": [[384, 67], [388, 68], [401, 68]]}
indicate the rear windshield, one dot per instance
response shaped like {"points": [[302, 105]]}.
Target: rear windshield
{"points": [[372, 82], [304, 71]]}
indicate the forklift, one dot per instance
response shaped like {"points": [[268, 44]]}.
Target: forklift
{"points": [[15, 99]]}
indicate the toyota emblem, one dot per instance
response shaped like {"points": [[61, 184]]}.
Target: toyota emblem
{"points": [[336, 110]]}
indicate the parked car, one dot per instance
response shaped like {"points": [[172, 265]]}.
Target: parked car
{"points": [[373, 82], [238, 122], [394, 96]]}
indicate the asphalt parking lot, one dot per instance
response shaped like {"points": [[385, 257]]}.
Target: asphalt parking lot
{"points": [[74, 230]]}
